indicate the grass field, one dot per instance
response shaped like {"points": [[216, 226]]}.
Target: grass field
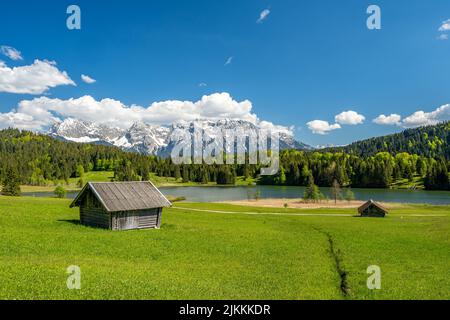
{"points": [[252, 253]]}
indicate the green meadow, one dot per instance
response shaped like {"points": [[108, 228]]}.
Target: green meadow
{"points": [[220, 251]]}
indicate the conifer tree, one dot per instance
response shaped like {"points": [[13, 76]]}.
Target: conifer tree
{"points": [[11, 183], [312, 192], [336, 191]]}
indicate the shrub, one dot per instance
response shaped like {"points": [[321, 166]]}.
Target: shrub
{"points": [[349, 195], [60, 192]]}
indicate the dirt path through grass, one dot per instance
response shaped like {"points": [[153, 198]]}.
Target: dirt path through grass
{"points": [[268, 213], [331, 215]]}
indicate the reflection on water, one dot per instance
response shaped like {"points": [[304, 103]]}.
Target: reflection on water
{"points": [[213, 194]]}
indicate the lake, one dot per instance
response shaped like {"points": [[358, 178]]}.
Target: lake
{"points": [[214, 194]]}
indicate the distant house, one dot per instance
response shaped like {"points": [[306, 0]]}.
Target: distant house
{"points": [[121, 205], [372, 209]]}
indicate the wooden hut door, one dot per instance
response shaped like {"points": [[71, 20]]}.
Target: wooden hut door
{"points": [[127, 221]]}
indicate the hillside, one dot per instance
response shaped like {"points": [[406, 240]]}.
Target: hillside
{"points": [[429, 141], [45, 161]]}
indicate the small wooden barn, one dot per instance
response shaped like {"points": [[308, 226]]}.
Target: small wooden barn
{"points": [[121, 205], [372, 209]]}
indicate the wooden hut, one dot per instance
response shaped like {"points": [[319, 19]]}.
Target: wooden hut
{"points": [[121, 205], [372, 209]]}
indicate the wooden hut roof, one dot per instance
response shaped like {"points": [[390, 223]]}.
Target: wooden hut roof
{"points": [[125, 196], [369, 203]]}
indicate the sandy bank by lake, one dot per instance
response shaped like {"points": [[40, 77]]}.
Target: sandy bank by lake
{"points": [[300, 204]]}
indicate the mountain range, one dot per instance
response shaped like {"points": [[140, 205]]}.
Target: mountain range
{"points": [[154, 139]]}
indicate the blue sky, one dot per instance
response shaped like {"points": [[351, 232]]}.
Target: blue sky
{"points": [[306, 61]]}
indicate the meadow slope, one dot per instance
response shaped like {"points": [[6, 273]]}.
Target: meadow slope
{"points": [[268, 254]]}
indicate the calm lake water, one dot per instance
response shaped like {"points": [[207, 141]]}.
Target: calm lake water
{"points": [[213, 194]]}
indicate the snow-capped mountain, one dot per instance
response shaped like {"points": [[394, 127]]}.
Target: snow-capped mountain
{"points": [[154, 139], [84, 131], [288, 142], [145, 138]]}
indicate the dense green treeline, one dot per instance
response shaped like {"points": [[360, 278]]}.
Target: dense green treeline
{"points": [[429, 141], [40, 159], [34, 159], [379, 171]]}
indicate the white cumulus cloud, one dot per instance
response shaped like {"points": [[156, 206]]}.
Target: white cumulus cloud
{"points": [[445, 26], [39, 113], [32, 79], [87, 79], [11, 53], [422, 118], [19, 120], [344, 118], [263, 15], [322, 127], [349, 118], [393, 119]]}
